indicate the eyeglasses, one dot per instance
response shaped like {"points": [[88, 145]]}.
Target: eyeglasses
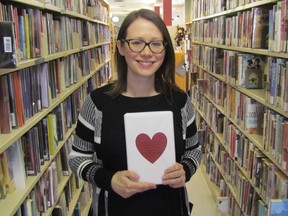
{"points": [[138, 46]]}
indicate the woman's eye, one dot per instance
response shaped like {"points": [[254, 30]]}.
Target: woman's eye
{"points": [[137, 42], [155, 44]]}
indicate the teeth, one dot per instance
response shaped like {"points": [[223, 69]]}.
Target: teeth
{"points": [[146, 63]]}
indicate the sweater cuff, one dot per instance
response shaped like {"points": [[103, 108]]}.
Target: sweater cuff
{"points": [[189, 168], [103, 178]]}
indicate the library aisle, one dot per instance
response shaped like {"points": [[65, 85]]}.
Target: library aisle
{"points": [[201, 197]]}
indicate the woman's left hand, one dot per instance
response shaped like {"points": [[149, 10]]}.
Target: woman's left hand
{"points": [[174, 176]]}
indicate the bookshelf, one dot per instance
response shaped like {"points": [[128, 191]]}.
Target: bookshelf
{"points": [[242, 118], [59, 51], [114, 34]]}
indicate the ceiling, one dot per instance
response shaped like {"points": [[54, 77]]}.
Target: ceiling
{"points": [[125, 6]]}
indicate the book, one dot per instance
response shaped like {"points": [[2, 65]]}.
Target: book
{"points": [[6, 125], [41, 142], [8, 58], [150, 142], [64, 154], [278, 207], [45, 99], [18, 99], [36, 149], [12, 102], [257, 167], [260, 31], [281, 187], [27, 207], [252, 71], [262, 209], [52, 133], [57, 211], [285, 147], [22, 35], [3, 191], [26, 91], [16, 161], [29, 153], [46, 152], [9, 180], [254, 112], [77, 209]]}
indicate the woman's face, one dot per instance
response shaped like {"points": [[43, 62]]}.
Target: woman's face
{"points": [[144, 63]]}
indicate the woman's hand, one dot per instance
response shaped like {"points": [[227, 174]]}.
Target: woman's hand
{"points": [[174, 176], [126, 183]]}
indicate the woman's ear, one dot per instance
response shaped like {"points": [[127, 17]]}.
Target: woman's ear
{"points": [[120, 47]]}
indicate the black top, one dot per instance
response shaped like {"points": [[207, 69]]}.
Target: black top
{"points": [[100, 129]]}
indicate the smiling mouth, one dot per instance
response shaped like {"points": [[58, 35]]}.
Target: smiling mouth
{"points": [[145, 62]]}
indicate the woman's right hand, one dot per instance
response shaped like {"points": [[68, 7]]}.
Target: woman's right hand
{"points": [[126, 183]]}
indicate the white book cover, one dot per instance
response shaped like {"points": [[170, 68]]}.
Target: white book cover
{"points": [[150, 144], [16, 157]]}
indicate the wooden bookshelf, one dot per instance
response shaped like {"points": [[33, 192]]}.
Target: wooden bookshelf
{"points": [[219, 37], [77, 66]]}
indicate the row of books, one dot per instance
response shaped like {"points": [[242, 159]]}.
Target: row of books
{"points": [[275, 137], [249, 71], [25, 158], [66, 199], [240, 196], [36, 33], [94, 9], [48, 195], [246, 29], [64, 205], [258, 28], [269, 185], [277, 81], [238, 145], [239, 69], [38, 145], [251, 116], [238, 107], [98, 11], [102, 77], [28, 154], [26, 92], [234, 187], [205, 7], [57, 188], [244, 111]]}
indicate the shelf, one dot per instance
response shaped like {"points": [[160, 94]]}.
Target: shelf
{"points": [[214, 189], [18, 197], [237, 9], [9, 139], [12, 202]]}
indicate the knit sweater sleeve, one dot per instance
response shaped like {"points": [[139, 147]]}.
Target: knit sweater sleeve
{"points": [[84, 158], [193, 154]]}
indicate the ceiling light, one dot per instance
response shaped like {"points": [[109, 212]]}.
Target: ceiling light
{"points": [[115, 19]]}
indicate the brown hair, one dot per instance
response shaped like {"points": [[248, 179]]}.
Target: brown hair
{"points": [[165, 76]]}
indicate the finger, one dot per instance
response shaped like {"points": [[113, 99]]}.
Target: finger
{"points": [[131, 175], [175, 183], [175, 167], [174, 175], [142, 186], [137, 187]]}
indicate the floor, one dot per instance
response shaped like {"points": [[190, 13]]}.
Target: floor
{"points": [[201, 197]]}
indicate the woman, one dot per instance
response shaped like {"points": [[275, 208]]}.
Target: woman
{"points": [[145, 65]]}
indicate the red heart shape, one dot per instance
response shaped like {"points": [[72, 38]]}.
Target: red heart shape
{"points": [[151, 149]]}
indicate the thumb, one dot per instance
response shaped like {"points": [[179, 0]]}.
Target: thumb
{"points": [[132, 175]]}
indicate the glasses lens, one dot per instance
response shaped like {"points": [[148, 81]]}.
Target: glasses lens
{"points": [[156, 46], [136, 45]]}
